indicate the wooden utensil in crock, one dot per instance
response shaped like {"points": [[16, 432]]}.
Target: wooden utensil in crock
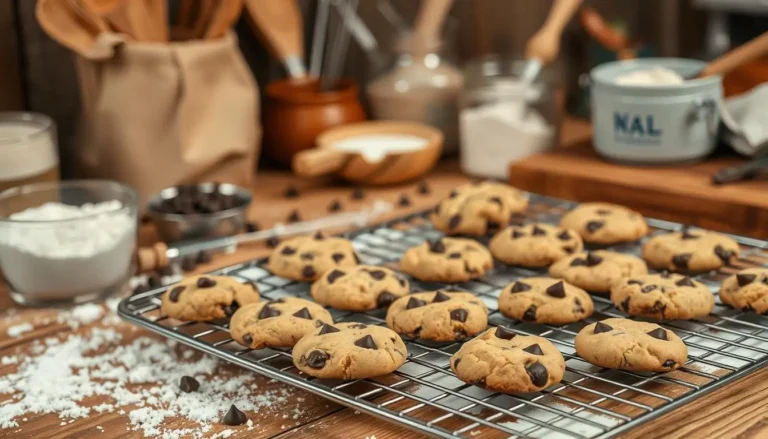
{"points": [[395, 167], [297, 111]]}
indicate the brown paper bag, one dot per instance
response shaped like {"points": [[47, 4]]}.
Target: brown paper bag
{"points": [[157, 115]]}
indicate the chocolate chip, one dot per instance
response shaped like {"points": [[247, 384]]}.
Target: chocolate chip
{"points": [[538, 231], [335, 206], [453, 194], [402, 282], [188, 384], [454, 255], [366, 342], [204, 257], [385, 299], [337, 257], [530, 313], [173, 296], [441, 297], [248, 339], [519, 287], [556, 290], [317, 359], [377, 274], [685, 282], [460, 315], [723, 254], [235, 417], [206, 282], [188, 264], [230, 309], [357, 326], [538, 374], [578, 262], [634, 282], [308, 256], [564, 236], [287, 251], [594, 226], [454, 221], [534, 349], [658, 306], [333, 275], [272, 241], [648, 288], [681, 260], [294, 217], [424, 188], [291, 192], [496, 200], [436, 246], [308, 272], [328, 329], [625, 305], [602, 327], [504, 333], [251, 227], [319, 236], [303, 314], [659, 333], [358, 193], [745, 278], [414, 303], [267, 312], [577, 308], [517, 234], [593, 259], [404, 201], [603, 212], [669, 364]]}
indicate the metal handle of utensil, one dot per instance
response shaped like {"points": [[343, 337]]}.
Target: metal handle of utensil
{"points": [[708, 107]]}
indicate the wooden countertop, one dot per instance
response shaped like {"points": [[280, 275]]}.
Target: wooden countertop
{"points": [[738, 410]]}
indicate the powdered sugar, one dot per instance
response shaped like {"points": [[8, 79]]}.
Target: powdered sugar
{"points": [[18, 330]]}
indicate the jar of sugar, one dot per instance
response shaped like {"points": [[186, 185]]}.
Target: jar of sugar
{"points": [[502, 119], [67, 242]]}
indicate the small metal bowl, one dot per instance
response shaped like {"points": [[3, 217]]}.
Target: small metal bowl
{"points": [[172, 227]]}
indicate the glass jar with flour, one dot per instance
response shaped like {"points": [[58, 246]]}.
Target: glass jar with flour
{"points": [[503, 119]]}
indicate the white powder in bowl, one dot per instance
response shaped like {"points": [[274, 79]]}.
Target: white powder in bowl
{"points": [[374, 147], [87, 250], [650, 77]]}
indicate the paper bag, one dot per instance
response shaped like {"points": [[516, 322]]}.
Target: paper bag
{"points": [[158, 115]]}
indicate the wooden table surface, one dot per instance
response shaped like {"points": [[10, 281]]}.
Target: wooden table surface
{"points": [[738, 410]]}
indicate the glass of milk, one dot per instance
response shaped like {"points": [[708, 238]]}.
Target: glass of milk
{"points": [[28, 149]]}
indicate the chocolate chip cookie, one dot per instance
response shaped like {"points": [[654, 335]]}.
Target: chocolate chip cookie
{"points": [[545, 300], [631, 345], [359, 288], [597, 271], [447, 260], [747, 290], [204, 298], [438, 316], [665, 296], [478, 208], [534, 245], [690, 250], [503, 361], [309, 257], [277, 324], [604, 223], [349, 351]]}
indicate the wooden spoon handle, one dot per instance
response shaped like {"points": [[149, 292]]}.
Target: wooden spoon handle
{"points": [[429, 23], [279, 26], [318, 161], [741, 55], [545, 44]]}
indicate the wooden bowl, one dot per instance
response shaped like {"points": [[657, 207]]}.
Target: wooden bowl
{"points": [[395, 167]]}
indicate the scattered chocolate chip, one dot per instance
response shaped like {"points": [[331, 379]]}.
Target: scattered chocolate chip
{"points": [[328, 329], [519, 287], [601, 327], [358, 193], [204, 257], [648, 288], [366, 343], [303, 314], [538, 374], [436, 246], [530, 313], [723, 254], [556, 290], [424, 188], [538, 231], [594, 226], [625, 304], [681, 260], [404, 201], [517, 234], [319, 236], [460, 315], [308, 272], [454, 255], [534, 349], [634, 282], [307, 256], [206, 282], [441, 297], [251, 227], [685, 282], [248, 339], [235, 417], [659, 333], [317, 359], [291, 192], [377, 274], [593, 259], [337, 257], [267, 312], [578, 262], [603, 212], [564, 236], [294, 217], [357, 326], [273, 241], [188, 264], [287, 251], [333, 275], [175, 293], [414, 303], [335, 206], [669, 364], [504, 333], [188, 384], [385, 299], [454, 221], [745, 278], [143, 288], [453, 194]]}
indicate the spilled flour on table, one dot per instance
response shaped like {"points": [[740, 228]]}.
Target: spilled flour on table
{"points": [[137, 377]]}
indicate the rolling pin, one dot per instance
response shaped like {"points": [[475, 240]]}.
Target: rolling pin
{"points": [[544, 45], [278, 24]]}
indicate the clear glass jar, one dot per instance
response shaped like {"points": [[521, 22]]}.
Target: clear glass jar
{"points": [[503, 120], [28, 149]]}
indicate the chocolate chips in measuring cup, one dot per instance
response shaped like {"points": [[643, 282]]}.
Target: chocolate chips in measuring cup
{"points": [[200, 199]]}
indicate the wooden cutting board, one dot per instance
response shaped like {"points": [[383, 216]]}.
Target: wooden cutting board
{"points": [[681, 193]]}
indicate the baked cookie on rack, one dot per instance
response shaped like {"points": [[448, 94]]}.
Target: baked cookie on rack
{"points": [[277, 324], [349, 351], [545, 300], [690, 250], [534, 245], [478, 208], [447, 260], [597, 271], [666, 296], [605, 223], [631, 345], [503, 361], [747, 290], [308, 257], [205, 297], [438, 316], [359, 288]]}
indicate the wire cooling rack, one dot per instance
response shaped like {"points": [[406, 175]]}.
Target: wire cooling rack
{"points": [[426, 396]]}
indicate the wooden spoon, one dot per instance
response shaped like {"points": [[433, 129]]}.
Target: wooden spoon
{"points": [[95, 23], [130, 17], [741, 55], [67, 27], [279, 25], [544, 46], [205, 10], [225, 16], [429, 24]]}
